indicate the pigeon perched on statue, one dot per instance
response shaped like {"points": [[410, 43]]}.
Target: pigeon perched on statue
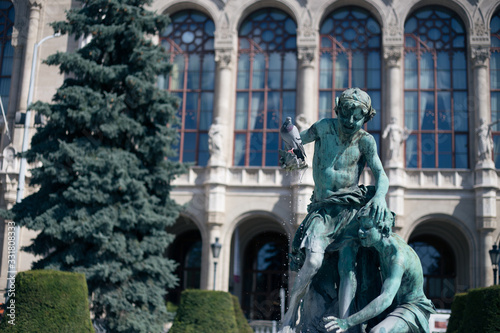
{"points": [[294, 157]]}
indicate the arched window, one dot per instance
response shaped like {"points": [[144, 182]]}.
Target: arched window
{"points": [[435, 90], [265, 273], [350, 57], [189, 39], [438, 265], [495, 85], [6, 49], [266, 86], [186, 251]]}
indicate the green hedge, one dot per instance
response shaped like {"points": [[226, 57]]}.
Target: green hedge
{"points": [[241, 321], [48, 301], [476, 311], [209, 312], [457, 313]]}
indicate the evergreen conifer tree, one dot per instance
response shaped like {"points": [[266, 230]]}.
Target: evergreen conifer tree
{"points": [[104, 173]]}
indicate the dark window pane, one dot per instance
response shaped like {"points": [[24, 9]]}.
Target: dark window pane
{"points": [[274, 75], [255, 149], [206, 110], [341, 73], [203, 154], [258, 74], [444, 110], [239, 149], [243, 72], [411, 110], [428, 151], [461, 151], [460, 113], [257, 111], [411, 152], [325, 76], [325, 104], [241, 111], [444, 149], [191, 115], [290, 71], [427, 113]]}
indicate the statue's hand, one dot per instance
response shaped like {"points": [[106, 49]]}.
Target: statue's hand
{"points": [[378, 209], [335, 324]]}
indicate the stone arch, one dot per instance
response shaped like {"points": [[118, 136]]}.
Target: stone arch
{"points": [[455, 6], [206, 7], [487, 9], [187, 251], [247, 233], [250, 6], [370, 6], [458, 237]]}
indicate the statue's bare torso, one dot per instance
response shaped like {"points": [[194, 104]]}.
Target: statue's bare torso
{"points": [[337, 163]]}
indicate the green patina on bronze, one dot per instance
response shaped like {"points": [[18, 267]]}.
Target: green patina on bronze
{"points": [[338, 273]]}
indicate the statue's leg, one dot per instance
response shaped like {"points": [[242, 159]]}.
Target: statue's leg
{"points": [[348, 282], [311, 266], [391, 324]]}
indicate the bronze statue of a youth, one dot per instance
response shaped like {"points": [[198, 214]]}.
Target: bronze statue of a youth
{"points": [[342, 149], [402, 290]]}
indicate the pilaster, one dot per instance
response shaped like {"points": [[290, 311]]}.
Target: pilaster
{"points": [[394, 133]]}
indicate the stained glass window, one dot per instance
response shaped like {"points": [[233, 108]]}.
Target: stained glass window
{"points": [[190, 41], [495, 85], [266, 86], [6, 49], [350, 42], [435, 90]]}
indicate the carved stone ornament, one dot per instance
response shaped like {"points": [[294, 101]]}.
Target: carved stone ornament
{"points": [[393, 29], [392, 55], [480, 28], [223, 57], [479, 56], [306, 55]]}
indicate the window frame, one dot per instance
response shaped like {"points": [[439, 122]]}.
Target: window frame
{"points": [[419, 51]]}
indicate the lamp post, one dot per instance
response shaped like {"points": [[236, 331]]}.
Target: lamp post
{"points": [[495, 259], [215, 253], [22, 167]]}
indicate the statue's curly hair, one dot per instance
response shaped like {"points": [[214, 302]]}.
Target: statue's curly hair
{"points": [[359, 96], [385, 225]]}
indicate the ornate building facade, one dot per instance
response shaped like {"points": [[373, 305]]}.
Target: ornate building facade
{"points": [[241, 67]]}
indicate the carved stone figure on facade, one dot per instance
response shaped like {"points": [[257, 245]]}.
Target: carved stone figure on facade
{"points": [[215, 142], [342, 148], [484, 140], [9, 159], [397, 136]]}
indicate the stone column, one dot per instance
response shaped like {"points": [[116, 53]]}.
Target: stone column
{"points": [[219, 147], [393, 118], [31, 40], [306, 114], [486, 180], [219, 135]]}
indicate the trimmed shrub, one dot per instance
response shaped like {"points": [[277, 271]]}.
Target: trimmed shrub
{"points": [[241, 321], [476, 311], [209, 312], [457, 313], [482, 311], [49, 301]]}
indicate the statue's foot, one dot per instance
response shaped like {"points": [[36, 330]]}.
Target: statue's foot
{"points": [[287, 329]]}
